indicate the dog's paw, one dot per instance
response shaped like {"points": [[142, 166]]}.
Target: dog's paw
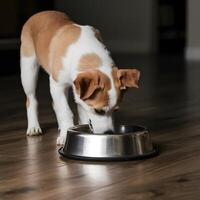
{"points": [[33, 131], [61, 140]]}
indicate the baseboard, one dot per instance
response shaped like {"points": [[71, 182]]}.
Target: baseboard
{"points": [[192, 53], [9, 43]]}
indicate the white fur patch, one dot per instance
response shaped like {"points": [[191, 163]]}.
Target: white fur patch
{"points": [[29, 75]]}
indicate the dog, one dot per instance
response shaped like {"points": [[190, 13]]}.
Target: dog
{"points": [[74, 56]]}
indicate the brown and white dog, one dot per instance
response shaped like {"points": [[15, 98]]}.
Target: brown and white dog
{"points": [[74, 56]]}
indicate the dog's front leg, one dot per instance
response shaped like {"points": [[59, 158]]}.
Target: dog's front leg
{"points": [[63, 112]]}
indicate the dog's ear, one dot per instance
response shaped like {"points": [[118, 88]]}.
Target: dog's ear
{"points": [[128, 78], [87, 83]]}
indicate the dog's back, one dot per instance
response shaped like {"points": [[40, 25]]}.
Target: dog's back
{"points": [[45, 31]]}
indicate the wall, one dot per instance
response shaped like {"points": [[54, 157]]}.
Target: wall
{"points": [[127, 26]]}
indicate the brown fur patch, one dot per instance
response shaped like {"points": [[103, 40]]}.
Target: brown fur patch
{"points": [[39, 37], [128, 78], [98, 83], [27, 46], [117, 85], [66, 36], [89, 61], [124, 79]]}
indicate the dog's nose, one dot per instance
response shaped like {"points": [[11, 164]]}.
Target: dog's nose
{"points": [[108, 132]]}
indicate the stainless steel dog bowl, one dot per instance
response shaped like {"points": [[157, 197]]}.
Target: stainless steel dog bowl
{"points": [[127, 143]]}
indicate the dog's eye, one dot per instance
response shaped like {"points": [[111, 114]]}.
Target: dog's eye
{"points": [[99, 111]]}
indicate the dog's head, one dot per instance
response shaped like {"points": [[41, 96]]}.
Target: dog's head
{"points": [[100, 93]]}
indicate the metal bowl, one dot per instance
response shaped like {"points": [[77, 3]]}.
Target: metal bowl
{"points": [[127, 143]]}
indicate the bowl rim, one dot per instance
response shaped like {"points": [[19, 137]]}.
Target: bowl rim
{"points": [[74, 130]]}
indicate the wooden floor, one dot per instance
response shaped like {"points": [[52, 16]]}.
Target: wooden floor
{"points": [[168, 102]]}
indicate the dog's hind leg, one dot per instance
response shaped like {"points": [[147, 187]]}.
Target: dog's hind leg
{"points": [[29, 75]]}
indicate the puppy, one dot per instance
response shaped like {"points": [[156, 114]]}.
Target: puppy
{"points": [[74, 56]]}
